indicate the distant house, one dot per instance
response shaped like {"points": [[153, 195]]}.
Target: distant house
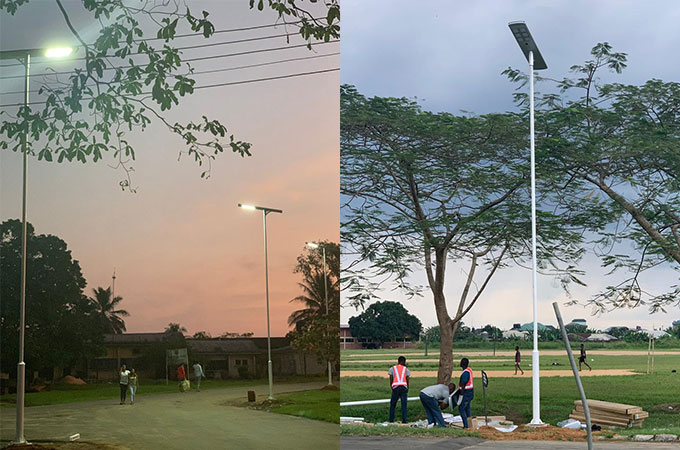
{"points": [[349, 342], [221, 358], [128, 349], [601, 337], [225, 358], [539, 326], [515, 334]]}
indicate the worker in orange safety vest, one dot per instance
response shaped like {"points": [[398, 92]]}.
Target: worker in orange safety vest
{"points": [[466, 389], [399, 381]]}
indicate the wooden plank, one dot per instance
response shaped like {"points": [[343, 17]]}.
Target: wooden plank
{"points": [[600, 420], [579, 409], [610, 406]]}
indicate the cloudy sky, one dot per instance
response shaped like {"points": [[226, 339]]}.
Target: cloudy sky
{"points": [[182, 249], [450, 55]]}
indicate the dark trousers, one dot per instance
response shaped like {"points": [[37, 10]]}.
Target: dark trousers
{"points": [[434, 413], [123, 391], [464, 407], [399, 393]]}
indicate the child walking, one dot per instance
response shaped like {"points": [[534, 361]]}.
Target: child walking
{"points": [[132, 385]]}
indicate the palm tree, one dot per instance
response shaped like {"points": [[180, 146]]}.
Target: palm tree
{"points": [[110, 317], [314, 299]]}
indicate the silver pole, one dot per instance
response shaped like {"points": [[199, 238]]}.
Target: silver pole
{"points": [[535, 375], [567, 345], [21, 366], [266, 287], [325, 288]]}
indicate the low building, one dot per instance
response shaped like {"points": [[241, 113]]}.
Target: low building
{"points": [[349, 342], [225, 358]]}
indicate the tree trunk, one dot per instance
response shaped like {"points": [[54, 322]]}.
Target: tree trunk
{"points": [[446, 347]]}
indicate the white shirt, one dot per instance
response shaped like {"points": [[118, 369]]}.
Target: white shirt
{"points": [[198, 370], [124, 376]]}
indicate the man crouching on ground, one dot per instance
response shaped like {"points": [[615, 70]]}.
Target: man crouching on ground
{"points": [[434, 398], [465, 385]]}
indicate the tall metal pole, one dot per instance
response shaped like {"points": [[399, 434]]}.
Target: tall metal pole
{"points": [[325, 289], [266, 287], [21, 366], [535, 376]]}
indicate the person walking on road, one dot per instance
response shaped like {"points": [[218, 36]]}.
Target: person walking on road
{"points": [[518, 358], [466, 388], [198, 373], [399, 382], [132, 385], [124, 380], [434, 398], [181, 377], [582, 359]]}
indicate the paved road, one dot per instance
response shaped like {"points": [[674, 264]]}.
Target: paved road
{"points": [[193, 420], [376, 443]]}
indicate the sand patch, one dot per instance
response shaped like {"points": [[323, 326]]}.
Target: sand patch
{"points": [[496, 373]]}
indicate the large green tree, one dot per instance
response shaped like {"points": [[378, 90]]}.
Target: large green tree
{"points": [[612, 150], [385, 321], [132, 74], [110, 317], [421, 189], [61, 323]]}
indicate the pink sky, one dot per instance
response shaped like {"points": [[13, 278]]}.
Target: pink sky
{"points": [[183, 251]]}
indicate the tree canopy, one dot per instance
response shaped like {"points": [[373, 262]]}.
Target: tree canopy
{"points": [[385, 321], [62, 326], [613, 151]]}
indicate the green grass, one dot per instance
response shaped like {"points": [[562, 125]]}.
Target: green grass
{"points": [[512, 397], [319, 405], [66, 393], [393, 430]]}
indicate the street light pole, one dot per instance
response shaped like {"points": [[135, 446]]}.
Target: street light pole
{"points": [[536, 62], [325, 289], [266, 211], [24, 56], [21, 365]]}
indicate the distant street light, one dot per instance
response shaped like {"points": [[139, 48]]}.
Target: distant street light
{"points": [[325, 289], [536, 62], [24, 56], [266, 211]]}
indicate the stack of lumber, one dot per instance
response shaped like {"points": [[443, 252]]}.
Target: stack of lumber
{"points": [[610, 414]]}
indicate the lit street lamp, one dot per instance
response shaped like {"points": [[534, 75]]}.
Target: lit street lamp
{"points": [[24, 56], [266, 211], [325, 289], [536, 62]]}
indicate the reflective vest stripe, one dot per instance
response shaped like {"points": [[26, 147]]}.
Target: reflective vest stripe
{"points": [[399, 377], [469, 384]]}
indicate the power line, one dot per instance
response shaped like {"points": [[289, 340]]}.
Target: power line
{"points": [[231, 30], [189, 47], [202, 58], [232, 83], [227, 69]]}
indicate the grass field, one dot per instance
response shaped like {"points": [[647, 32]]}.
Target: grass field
{"points": [[319, 404], [511, 396], [66, 393]]}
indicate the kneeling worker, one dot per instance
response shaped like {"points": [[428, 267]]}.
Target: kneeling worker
{"points": [[434, 398], [399, 380], [465, 385]]}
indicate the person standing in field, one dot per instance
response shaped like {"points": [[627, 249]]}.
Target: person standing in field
{"points": [[518, 358], [466, 389], [399, 382], [124, 380], [198, 373], [582, 358], [434, 398], [132, 385]]}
